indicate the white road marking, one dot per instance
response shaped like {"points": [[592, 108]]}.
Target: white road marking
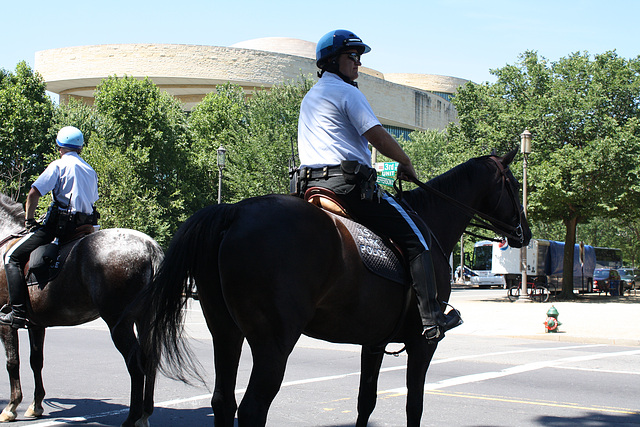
{"points": [[517, 369], [465, 379]]}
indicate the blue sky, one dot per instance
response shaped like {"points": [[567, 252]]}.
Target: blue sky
{"points": [[461, 38]]}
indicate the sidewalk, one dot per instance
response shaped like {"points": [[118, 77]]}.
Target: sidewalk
{"points": [[592, 318]]}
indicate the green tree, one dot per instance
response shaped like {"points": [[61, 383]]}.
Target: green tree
{"points": [[584, 115], [142, 153], [427, 151], [26, 114], [257, 133], [77, 113], [259, 165], [220, 120], [125, 200]]}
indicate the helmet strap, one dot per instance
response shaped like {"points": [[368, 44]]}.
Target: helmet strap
{"points": [[332, 67]]}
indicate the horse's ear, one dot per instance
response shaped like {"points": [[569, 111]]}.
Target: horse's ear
{"points": [[494, 153], [508, 158]]}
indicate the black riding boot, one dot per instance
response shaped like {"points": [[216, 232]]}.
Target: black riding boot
{"points": [[434, 321], [17, 317]]}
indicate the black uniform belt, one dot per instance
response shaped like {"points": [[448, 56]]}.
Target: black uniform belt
{"points": [[323, 172]]}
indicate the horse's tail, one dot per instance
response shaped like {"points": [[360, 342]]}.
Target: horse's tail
{"points": [[195, 245]]}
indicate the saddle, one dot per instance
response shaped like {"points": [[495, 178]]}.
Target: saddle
{"points": [[46, 261], [379, 255]]}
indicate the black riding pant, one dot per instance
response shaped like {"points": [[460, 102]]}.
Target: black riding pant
{"points": [[384, 215], [17, 257]]}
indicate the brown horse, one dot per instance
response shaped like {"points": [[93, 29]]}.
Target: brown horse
{"points": [[271, 268], [101, 276]]}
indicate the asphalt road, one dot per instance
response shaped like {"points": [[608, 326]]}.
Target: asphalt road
{"points": [[473, 381]]}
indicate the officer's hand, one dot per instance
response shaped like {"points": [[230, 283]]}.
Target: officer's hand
{"points": [[406, 172], [31, 224]]}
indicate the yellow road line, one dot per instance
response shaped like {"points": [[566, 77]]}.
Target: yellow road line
{"points": [[609, 409]]}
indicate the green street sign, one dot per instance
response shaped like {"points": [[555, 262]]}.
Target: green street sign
{"points": [[383, 180]]}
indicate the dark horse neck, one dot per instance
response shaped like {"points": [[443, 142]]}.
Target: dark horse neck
{"points": [[446, 221]]}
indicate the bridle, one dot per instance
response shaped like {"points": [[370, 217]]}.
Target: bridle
{"points": [[483, 220]]}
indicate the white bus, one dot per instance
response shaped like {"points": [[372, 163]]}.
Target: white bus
{"points": [[481, 266]]}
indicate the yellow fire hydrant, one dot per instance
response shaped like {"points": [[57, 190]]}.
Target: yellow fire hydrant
{"points": [[552, 323]]}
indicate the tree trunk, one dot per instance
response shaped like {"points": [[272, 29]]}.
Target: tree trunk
{"points": [[567, 261]]}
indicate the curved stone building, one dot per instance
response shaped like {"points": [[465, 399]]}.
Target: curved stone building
{"points": [[403, 102]]}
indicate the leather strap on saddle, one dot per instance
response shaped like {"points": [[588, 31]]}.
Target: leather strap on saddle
{"points": [[79, 232]]}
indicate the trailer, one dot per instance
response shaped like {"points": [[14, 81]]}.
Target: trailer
{"points": [[544, 264]]}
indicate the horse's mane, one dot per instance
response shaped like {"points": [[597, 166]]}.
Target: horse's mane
{"points": [[11, 215], [447, 183]]}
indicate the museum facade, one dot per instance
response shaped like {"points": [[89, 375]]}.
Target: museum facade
{"points": [[402, 102]]}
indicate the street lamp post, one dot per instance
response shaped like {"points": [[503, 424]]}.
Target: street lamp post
{"points": [[525, 148], [222, 159]]}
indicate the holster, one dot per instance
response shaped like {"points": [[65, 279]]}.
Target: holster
{"points": [[362, 176]]}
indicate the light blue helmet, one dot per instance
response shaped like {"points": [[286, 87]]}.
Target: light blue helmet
{"points": [[70, 137], [334, 42]]}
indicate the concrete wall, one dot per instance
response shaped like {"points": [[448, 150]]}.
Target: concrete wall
{"points": [[189, 72]]}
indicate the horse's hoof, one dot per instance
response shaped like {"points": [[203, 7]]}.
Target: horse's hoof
{"points": [[143, 421], [7, 416], [33, 412]]}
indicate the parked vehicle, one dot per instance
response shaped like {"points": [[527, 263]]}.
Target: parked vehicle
{"points": [[608, 257], [545, 259], [466, 275], [630, 277], [607, 280]]}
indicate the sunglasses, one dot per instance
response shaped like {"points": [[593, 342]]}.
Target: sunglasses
{"points": [[354, 56]]}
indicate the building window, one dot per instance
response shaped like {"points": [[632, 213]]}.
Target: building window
{"points": [[398, 132]]}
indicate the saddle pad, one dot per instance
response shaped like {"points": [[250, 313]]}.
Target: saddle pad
{"points": [[376, 252]]}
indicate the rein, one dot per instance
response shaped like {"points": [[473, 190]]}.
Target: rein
{"points": [[12, 236], [483, 221]]}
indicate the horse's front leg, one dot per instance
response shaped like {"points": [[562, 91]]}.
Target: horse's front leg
{"points": [[9, 337], [419, 355], [370, 363], [36, 342]]}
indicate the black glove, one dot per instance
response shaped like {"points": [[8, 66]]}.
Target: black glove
{"points": [[31, 224]]}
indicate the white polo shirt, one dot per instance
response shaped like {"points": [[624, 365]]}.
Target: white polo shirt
{"points": [[333, 117], [73, 182]]}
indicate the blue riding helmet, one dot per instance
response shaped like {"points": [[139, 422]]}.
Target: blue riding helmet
{"points": [[334, 42], [70, 137]]}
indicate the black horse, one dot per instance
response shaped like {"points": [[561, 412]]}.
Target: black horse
{"points": [[103, 273], [271, 268]]}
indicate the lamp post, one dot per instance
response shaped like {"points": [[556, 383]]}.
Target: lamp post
{"points": [[222, 159], [525, 148]]}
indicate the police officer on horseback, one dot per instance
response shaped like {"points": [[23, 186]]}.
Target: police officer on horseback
{"points": [[335, 126], [74, 186]]}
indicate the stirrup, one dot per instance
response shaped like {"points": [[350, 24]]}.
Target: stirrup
{"points": [[15, 322], [435, 333], [8, 318], [453, 318]]}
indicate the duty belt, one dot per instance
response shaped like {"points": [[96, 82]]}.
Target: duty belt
{"points": [[324, 172]]}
